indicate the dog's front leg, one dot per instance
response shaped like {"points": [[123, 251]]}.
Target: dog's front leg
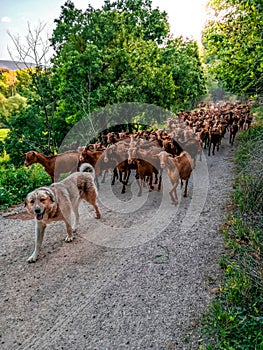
{"points": [[39, 234], [69, 237]]}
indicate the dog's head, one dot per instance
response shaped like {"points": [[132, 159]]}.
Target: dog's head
{"points": [[41, 203]]}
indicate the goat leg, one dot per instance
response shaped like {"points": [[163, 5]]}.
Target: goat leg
{"points": [[128, 176], [160, 180], [156, 178], [140, 182], [104, 176], [114, 176], [151, 187], [209, 148], [123, 187], [97, 182], [185, 187], [214, 147], [173, 194]]}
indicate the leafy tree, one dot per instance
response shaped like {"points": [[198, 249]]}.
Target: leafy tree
{"points": [[233, 43], [31, 123], [102, 59], [11, 97], [182, 58], [113, 55], [120, 53], [8, 83]]}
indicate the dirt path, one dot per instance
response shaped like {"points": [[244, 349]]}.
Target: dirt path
{"points": [[138, 279]]}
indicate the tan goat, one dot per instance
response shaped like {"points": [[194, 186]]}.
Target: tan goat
{"points": [[177, 168]]}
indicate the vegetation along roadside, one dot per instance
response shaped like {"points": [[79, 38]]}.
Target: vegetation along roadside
{"points": [[235, 318]]}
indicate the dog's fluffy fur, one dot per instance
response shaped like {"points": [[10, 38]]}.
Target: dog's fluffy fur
{"points": [[60, 202]]}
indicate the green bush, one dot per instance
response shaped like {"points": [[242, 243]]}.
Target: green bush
{"points": [[16, 183]]}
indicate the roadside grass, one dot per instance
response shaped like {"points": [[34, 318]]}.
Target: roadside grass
{"points": [[235, 318]]}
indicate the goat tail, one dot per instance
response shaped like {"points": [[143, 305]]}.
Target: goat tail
{"points": [[87, 168]]}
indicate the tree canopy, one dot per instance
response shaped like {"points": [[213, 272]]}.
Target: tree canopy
{"points": [[233, 41], [120, 53]]}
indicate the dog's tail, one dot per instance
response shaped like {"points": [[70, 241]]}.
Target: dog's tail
{"points": [[87, 168]]}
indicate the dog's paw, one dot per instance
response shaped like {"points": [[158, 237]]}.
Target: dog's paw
{"points": [[68, 239], [32, 259]]}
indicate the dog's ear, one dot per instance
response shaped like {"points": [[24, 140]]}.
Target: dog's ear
{"points": [[51, 196], [26, 199]]}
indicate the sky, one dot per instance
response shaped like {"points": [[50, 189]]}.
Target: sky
{"points": [[186, 17]]}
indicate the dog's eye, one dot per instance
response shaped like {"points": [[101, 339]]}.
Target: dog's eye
{"points": [[32, 201], [42, 200]]}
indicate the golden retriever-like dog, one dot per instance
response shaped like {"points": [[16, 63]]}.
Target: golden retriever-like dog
{"points": [[60, 202]]}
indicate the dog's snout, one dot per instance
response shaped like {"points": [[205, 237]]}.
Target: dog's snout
{"points": [[37, 210]]}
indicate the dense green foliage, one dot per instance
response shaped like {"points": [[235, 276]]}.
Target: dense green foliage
{"points": [[233, 42], [120, 53], [27, 110], [15, 183], [236, 317], [11, 95]]}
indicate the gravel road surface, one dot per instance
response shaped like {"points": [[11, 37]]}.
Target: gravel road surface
{"points": [[139, 278]]}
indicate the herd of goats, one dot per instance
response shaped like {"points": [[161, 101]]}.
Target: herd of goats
{"points": [[174, 148]]}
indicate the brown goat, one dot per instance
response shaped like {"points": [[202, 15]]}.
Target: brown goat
{"points": [[233, 129], [91, 157], [214, 139], [118, 156], [145, 168], [177, 168], [88, 156], [66, 162]]}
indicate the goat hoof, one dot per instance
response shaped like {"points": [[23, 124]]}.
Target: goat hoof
{"points": [[31, 259], [68, 239]]}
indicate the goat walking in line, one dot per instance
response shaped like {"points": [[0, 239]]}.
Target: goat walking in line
{"points": [[214, 139], [178, 168], [233, 129], [66, 162], [145, 169], [119, 158]]}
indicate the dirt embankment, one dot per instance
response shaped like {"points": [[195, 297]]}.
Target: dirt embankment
{"points": [[137, 279]]}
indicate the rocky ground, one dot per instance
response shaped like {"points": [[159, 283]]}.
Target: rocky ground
{"points": [[139, 278]]}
